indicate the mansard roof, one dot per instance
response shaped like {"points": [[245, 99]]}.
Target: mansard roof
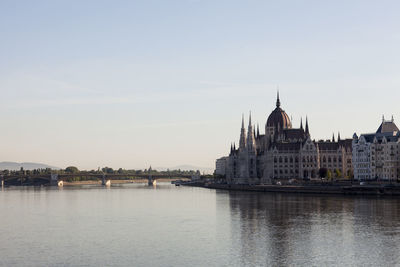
{"points": [[287, 146], [323, 145], [347, 143], [328, 145], [387, 127], [294, 134], [390, 137]]}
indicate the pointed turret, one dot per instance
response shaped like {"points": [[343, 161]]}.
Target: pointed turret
{"points": [[301, 123], [242, 142], [307, 130], [258, 130], [333, 138], [338, 136], [250, 136]]}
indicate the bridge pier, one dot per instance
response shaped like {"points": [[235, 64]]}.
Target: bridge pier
{"points": [[105, 182], [2, 181], [150, 180], [54, 180]]}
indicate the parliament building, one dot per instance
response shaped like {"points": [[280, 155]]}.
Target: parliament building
{"points": [[284, 152]]}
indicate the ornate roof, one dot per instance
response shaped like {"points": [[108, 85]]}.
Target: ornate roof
{"points": [[279, 117], [294, 134], [387, 127]]}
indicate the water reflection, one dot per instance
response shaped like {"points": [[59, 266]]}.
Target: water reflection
{"points": [[281, 229]]}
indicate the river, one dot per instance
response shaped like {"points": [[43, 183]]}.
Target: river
{"points": [[137, 225]]}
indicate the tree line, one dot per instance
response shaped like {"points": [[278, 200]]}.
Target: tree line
{"points": [[106, 170]]}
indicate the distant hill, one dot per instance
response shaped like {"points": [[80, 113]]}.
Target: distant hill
{"points": [[187, 168], [15, 166]]}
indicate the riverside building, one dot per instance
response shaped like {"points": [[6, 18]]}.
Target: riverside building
{"points": [[376, 155], [284, 152]]}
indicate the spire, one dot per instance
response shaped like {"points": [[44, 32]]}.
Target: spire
{"points": [[301, 123], [307, 130], [338, 136], [242, 142], [278, 101], [234, 146], [383, 118], [250, 136], [231, 148], [258, 130], [333, 138], [250, 119], [392, 119]]}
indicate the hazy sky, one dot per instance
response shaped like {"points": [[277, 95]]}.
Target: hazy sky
{"points": [[133, 83]]}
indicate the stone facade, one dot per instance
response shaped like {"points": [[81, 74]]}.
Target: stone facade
{"points": [[376, 156], [220, 166], [284, 152]]}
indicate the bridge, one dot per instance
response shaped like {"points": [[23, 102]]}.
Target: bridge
{"points": [[55, 179]]}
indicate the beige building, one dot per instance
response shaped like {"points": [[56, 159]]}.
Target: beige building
{"points": [[376, 156]]}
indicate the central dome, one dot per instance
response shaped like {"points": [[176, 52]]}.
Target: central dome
{"points": [[279, 117]]}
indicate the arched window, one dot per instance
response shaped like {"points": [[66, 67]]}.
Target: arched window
{"points": [[275, 160], [280, 159], [286, 160]]}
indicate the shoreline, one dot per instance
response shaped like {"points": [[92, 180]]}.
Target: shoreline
{"points": [[355, 190]]}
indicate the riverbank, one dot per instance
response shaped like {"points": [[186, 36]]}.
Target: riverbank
{"points": [[326, 189]]}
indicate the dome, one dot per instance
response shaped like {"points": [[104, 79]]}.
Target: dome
{"points": [[279, 117]]}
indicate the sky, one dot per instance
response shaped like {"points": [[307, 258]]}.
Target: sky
{"points": [[164, 83]]}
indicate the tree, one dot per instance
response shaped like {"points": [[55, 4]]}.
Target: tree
{"points": [[71, 169], [350, 174], [107, 170], [323, 172], [329, 174], [338, 173]]}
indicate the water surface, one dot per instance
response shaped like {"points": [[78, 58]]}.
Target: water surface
{"points": [[137, 225]]}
